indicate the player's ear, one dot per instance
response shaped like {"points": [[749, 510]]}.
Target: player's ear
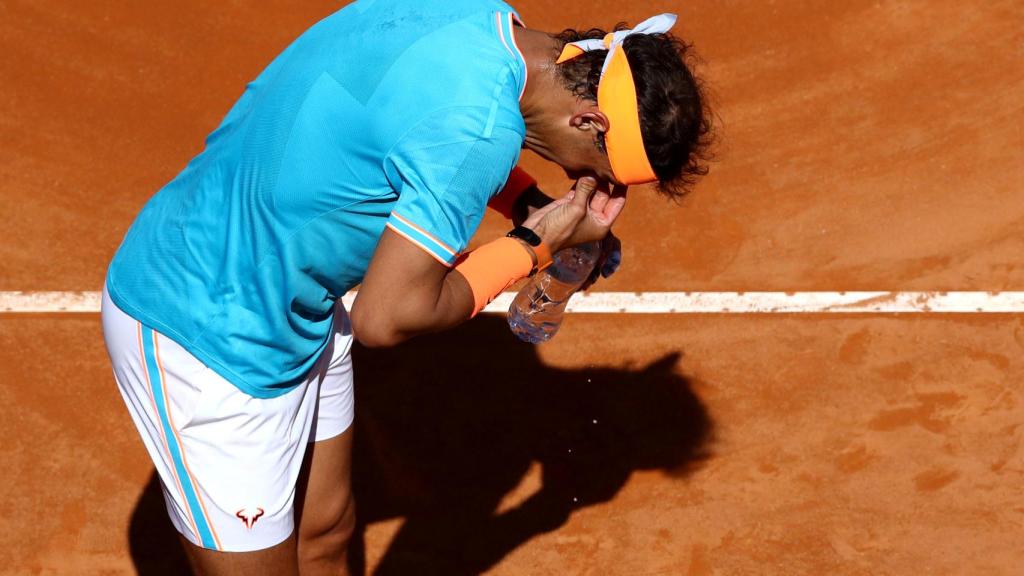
{"points": [[589, 119]]}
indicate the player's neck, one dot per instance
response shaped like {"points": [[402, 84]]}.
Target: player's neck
{"points": [[544, 95]]}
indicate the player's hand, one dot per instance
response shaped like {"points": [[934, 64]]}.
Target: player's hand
{"points": [[585, 214]]}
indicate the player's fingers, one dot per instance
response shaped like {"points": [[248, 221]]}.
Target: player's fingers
{"points": [[611, 210], [599, 200], [613, 206], [584, 190]]}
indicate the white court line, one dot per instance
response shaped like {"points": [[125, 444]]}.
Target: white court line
{"points": [[658, 302]]}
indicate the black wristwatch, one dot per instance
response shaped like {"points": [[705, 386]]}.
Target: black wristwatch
{"points": [[525, 234], [539, 253]]}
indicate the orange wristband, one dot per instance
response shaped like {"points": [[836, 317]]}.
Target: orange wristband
{"points": [[493, 267], [519, 181]]}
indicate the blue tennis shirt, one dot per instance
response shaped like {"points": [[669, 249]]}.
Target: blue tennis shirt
{"points": [[398, 113]]}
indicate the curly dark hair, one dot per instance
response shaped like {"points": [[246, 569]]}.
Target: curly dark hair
{"points": [[675, 120]]}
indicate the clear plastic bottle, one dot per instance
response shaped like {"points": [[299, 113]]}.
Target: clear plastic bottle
{"points": [[536, 313]]}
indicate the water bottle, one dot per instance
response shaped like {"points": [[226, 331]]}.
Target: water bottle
{"points": [[538, 309]]}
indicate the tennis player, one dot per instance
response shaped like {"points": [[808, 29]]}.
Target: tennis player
{"points": [[366, 153]]}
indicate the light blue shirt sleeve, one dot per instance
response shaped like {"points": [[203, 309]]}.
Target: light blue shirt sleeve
{"points": [[446, 175]]}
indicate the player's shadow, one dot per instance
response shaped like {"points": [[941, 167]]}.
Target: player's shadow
{"points": [[449, 425], [152, 540]]}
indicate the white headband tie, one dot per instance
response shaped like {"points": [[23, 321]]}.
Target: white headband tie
{"points": [[659, 24]]}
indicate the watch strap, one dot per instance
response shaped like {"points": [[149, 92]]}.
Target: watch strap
{"points": [[525, 234], [539, 251]]}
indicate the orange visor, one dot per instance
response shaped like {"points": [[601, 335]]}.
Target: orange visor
{"points": [[617, 99]]}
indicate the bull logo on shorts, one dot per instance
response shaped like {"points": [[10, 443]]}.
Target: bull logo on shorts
{"points": [[249, 516]]}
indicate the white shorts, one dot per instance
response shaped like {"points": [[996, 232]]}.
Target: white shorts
{"points": [[228, 462]]}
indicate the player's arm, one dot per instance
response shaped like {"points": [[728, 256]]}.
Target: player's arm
{"points": [[519, 198], [407, 291]]}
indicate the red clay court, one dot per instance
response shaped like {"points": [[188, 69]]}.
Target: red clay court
{"points": [[865, 146]]}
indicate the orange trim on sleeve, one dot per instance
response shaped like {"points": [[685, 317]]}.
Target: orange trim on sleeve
{"points": [[425, 233], [418, 244]]}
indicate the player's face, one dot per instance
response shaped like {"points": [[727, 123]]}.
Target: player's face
{"points": [[585, 158], [584, 154]]}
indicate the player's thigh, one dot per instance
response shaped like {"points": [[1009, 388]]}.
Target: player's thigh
{"points": [[324, 505]]}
